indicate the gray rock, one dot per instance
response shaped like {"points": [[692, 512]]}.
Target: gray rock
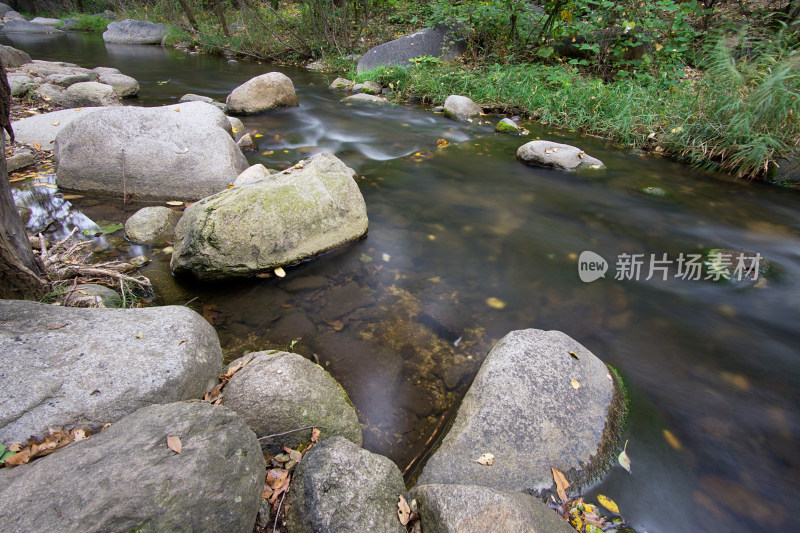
{"points": [[139, 261], [246, 142], [51, 92], [295, 215], [786, 170], [65, 80], [20, 159], [178, 152], [12, 57], [279, 392], [524, 409], [339, 487], [254, 173], [262, 93], [107, 14], [13, 15], [105, 70], [69, 24], [131, 31], [90, 94], [460, 108], [473, 509], [556, 155], [19, 83], [24, 26], [341, 83], [237, 128], [127, 479], [46, 21], [24, 214], [92, 295], [151, 224], [4, 8], [441, 41], [195, 98], [362, 97], [100, 366], [507, 126], [43, 128], [368, 87], [124, 86]]}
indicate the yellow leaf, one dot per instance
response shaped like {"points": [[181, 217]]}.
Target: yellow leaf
{"points": [[658, 47], [671, 439], [495, 303], [139, 335], [257, 135], [56, 123], [234, 129], [281, 273], [561, 483], [177, 110], [575, 384], [486, 459], [174, 444], [608, 503], [37, 146], [174, 203]]}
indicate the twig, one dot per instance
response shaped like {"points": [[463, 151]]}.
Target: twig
{"points": [[292, 431], [278, 512], [124, 189], [190, 301], [122, 292]]}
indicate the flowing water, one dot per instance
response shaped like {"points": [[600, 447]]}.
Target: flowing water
{"points": [[466, 244]]}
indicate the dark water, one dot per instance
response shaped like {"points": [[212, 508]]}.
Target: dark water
{"points": [[466, 244]]}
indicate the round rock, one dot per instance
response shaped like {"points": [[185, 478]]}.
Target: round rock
{"points": [[262, 93], [460, 108], [131, 31], [151, 224], [556, 155]]}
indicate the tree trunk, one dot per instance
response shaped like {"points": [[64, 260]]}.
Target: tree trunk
{"points": [[189, 14], [221, 14], [20, 274]]}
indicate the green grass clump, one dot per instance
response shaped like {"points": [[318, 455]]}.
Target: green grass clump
{"points": [[88, 23]]}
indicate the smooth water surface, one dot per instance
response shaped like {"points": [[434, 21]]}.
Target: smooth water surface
{"points": [[466, 244]]}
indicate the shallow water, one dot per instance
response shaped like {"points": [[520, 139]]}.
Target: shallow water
{"points": [[466, 244]]}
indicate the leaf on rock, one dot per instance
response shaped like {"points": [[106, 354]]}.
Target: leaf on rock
{"points": [[608, 503], [58, 326], [276, 477], [19, 458], [174, 203], [403, 511], [56, 123], [575, 384], [624, 460], [314, 435], [561, 483], [37, 146], [574, 355], [486, 459], [174, 444]]}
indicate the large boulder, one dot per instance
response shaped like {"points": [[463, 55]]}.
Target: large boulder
{"points": [[46, 21], [13, 15], [87, 367], [11, 57], [24, 26], [297, 214], [151, 224], [460, 108], [556, 155], [339, 487], [534, 406], [43, 128], [4, 8], [127, 478], [177, 152], [442, 41], [473, 509], [131, 31], [125, 86], [279, 392], [262, 93], [90, 94]]}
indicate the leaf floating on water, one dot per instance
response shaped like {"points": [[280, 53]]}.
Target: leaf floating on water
{"points": [[44, 184], [608, 503], [163, 82], [174, 203], [280, 272], [575, 384], [671, 439], [624, 460], [495, 303], [174, 444], [486, 459], [403, 511], [561, 483]]}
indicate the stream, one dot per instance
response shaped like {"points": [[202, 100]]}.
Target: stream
{"points": [[466, 244]]}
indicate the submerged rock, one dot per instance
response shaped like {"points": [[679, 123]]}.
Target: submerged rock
{"points": [[341, 487], [127, 478], [535, 406], [470, 508], [301, 212], [460, 108], [151, 224], [279, 392], [88, 367], [363, 97], [178, 152], [556, 155], [442, 42], [262, 93], [131, 31]]}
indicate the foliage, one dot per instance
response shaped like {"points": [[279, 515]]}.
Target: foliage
{"points": [[90, 23]]}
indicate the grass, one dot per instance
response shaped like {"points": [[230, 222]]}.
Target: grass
{"points": [[88, 23]]}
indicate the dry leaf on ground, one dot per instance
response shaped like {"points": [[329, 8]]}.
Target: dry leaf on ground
{"points": [[486, 459], [174, 444], [561, 483], [403, 511]]}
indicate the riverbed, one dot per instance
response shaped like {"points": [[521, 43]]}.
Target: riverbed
{"points": [[466, 244]]}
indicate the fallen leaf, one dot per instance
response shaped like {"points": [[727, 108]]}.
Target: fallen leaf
{"points": [[314, 435], [608, 503], [280, 272], [235, 368], [56, 123], [267, 492], [37, 146], [276, 477], [44, 184], [403, 511], [58, 326], [19, 458], [79, 434], [573, 354], [177, 110], [486, 459], [182, 341], [495, 303], [72, 196], [174, 202], [174, 444], [295, 455], [671, 439], [561, 483], [139, 335], [258, 135], [624, 460], [575, 384]]}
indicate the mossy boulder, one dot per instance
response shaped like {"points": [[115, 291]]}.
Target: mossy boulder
{"points": [[507, 126], [310, 208]]}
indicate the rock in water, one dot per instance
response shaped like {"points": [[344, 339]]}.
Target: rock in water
{"points": [[87, 367], [262, 93], [469, 508], [301, 212], [524, 408], [127, 479], [90, 93], [24, 26], [177, 152], [341, 487], [151, 224], [278, 392], [12, 57], [125, 86], [556, 155], [131, 31], [460, 108]]}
